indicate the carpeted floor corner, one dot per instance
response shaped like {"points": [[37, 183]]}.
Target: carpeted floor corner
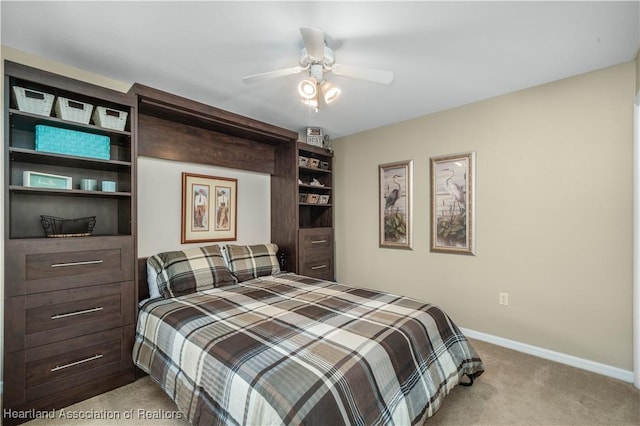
{"points": [[521, 389]]}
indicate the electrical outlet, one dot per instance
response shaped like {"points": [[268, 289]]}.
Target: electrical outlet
{"points": [[503, 299]]}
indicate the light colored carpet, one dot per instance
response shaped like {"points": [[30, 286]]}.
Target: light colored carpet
{"points": [[516, 389]]}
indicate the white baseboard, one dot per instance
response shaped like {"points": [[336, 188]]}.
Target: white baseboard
{"points": [[594, 367]]}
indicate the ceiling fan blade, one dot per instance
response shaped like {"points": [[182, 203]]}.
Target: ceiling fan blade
{"points": [[314, 42], [272, 74], [363, 73]]}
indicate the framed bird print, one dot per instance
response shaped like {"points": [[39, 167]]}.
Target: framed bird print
{"points": [[395, 193], [452, 203]]}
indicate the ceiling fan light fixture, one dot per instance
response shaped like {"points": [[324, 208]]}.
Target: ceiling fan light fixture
{"points": [[329, 92], [313, 102], [308, 89]]}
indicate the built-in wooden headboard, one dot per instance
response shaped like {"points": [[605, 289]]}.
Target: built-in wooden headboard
{"points": [[172, 127]]}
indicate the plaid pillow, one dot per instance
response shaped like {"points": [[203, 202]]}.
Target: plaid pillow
{"points": [[187, 271], [247, 262]]}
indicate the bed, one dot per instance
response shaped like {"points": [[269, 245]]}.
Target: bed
{"points": [[232, 340]]}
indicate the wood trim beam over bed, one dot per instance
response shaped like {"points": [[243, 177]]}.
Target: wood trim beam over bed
{"points": [[175, 128]]}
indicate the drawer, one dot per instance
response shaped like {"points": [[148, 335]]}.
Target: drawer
{"points": [[41, 265], [318, 266], [315, 238], [71, 263], [52, 369], [44, 318], [315, 255]]}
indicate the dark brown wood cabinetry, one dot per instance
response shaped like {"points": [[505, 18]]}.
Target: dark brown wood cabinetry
{"points": [[302, 209], [70, 302], [315, 212]]}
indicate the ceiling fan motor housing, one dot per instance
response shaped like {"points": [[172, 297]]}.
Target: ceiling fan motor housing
{"points": [[327, 61]]}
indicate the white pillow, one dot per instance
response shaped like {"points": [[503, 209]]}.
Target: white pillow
{"points": [[151, 282]]}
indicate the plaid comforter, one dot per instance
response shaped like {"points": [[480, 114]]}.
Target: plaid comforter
{"points": [[288, 349]]}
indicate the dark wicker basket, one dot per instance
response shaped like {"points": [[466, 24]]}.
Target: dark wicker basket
{"points": [[59, 227]]}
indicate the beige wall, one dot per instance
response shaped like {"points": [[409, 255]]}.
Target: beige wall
{"points": [[553, 215], [638, 71]]}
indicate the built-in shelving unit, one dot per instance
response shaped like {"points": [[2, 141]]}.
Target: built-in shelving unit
{"points": [[70, 301]]}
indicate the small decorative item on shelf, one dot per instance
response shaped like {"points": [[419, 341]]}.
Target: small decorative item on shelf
{"points": [[316, 182], [45, 180], [32, 101], [328, 144], [59, 227], [313, 163], [313, 198], [89, 184], [324, 165], [302, 161], [314, 136], [110, 118], [68, 109], [324, 199], [108, 186], [302, 198]]}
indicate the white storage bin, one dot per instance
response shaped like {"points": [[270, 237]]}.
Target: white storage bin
{"points": [[68, 109], [110, 118], [32, 101]]}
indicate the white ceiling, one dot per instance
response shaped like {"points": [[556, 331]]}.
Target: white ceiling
{"points": [[443, 54]]}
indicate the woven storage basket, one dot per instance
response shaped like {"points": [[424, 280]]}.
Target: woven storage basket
{"points": [[72, 142], [32, 101], [59, 227], [71, 110], [109, 118]]}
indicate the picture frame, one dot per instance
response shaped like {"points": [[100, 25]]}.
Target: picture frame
{"points": [[395, 182], [209, 208], [46, 180], [453, 203]]}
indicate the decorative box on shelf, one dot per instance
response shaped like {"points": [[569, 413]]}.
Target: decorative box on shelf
{"points": [[109, 118], [32, 101], [72, 142], [315, 136], [71, 110], [45, 180]]}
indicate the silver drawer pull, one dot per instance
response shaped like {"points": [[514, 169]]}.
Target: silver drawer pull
{"points": [[72, 314], [318, 241], [318, 267], [87, 262], [71, 364]]}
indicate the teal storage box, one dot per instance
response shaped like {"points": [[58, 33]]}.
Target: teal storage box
{"points": [[72, 142]]}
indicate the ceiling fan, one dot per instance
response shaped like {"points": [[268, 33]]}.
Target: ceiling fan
{"points": [[318, 59]]}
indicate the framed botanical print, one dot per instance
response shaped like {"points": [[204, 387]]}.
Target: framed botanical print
{"points": [[453, 203], [395, 204], [209, 208]]}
